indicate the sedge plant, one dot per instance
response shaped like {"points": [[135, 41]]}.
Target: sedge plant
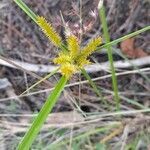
{"points": [[71, 59]]}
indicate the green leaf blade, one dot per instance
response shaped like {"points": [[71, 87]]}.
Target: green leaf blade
{"points": [[43, 114]]}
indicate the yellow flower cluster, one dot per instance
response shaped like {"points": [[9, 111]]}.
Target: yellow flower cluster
{"points": [[75, 58]]}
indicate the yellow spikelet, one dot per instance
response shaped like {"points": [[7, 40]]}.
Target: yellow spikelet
{"points": [[73, 45], [91, 47], [49, 31], [83, 62], [62, 58], [68, 69]]}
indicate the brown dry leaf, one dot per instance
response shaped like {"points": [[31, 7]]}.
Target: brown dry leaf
{"points": [[140, 53], [127, 47]]}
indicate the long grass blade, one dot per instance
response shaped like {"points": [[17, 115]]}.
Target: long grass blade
{"points": [[43, 114], [26, 9], [124, 38], [110, 56]]}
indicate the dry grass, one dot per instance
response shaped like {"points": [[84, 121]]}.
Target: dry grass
{"points": [[80, 120]]}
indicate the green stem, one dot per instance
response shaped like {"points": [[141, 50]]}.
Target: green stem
{"points": [[43, 114], [124, 38], [26, 9], [93, 85], [110, 56]]}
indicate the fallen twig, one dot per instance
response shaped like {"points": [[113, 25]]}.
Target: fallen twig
{"points": [[90, 68], [80, 82]]}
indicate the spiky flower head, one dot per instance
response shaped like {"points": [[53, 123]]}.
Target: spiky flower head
{"points": [[49, 31], [90, 47], [62, 59], [73, 45], [68, 69]]}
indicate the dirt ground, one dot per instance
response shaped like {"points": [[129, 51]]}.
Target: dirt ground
{"points": [[21, 41]]}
